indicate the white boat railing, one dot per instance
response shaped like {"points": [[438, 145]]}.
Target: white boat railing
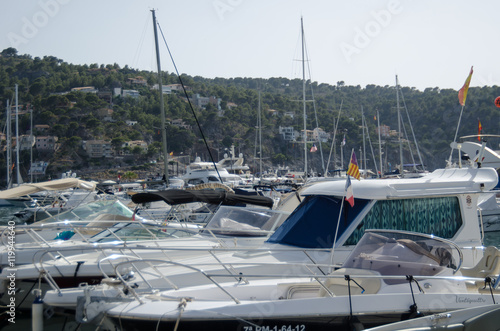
{"points": [[314, 279], [115, 253]]}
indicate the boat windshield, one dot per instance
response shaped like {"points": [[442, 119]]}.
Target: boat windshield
{"points": [[244, 221], [403, 253], [313, 224], [114, 209]]}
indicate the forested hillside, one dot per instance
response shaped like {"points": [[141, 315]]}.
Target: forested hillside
{"points": [[75, 117]]}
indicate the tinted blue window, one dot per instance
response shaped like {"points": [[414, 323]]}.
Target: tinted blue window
{"points": [[313, 224]]}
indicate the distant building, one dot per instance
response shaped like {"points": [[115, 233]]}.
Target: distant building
{"points": [[137, 81], [41, 128], [136, 143], [180, 123], [38, 168], [46, 143], [178, 87], [288, 133], [84, 89], [26, 142], [290, 114], [202, 102], [166, 88], [273, 112], [98, 148], [130, 93], [384, 131], [131, 123], [310, 135], [320, 135]]}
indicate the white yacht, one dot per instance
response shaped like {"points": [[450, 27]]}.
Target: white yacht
{"points": [[389, 276], [322, 231], [199, 172]]}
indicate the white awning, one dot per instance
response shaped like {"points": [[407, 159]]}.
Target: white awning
{"points": [[53, 185]]}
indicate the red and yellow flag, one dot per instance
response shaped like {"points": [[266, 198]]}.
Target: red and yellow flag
{"points": [[353, 169], [479, 129], [462, 94]]}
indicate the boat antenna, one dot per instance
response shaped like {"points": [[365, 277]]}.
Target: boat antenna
{"points": [[162, 111], [190, 105]]}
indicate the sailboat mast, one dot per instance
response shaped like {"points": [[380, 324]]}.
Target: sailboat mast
{"points": [[304, 97], [19, 179], [162, 111], [363, 124], [260, 142], [9, 146], [379, 145], [31, 145], [399, 130]]}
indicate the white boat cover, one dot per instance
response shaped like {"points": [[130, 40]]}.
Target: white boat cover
{"points": [[53, 185]]}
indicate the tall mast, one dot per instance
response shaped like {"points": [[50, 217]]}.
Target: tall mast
{"points": [[162, 111], [260, 142], [19, 179], [379, 145], [304, 97], [399, 130], [363, 123], [9, 146], [31, 145]]}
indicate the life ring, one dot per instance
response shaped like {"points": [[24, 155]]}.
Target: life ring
{"points": [[211, 186]]}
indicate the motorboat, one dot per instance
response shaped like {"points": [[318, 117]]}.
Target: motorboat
{"points": [[389, 276], [478, 154], [443, 203], [45, 199], [199, 172], [233, 226]]}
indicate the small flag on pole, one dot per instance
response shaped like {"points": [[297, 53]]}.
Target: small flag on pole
{"points": [[349, 196], [462, 94], [353, 169], [171, 153], [313, 148], [479, 129]]}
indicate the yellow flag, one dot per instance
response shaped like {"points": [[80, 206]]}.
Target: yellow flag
{"points": [[462, 94]]}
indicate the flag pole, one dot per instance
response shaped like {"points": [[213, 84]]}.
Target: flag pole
{"points": [[456, 133], [462, 96], [337, 230]]}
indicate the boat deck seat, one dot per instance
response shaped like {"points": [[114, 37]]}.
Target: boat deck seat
{"points": [[339, 286], [489, 265]]}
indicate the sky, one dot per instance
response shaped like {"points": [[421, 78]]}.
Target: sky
{"points": [[360, 42]]}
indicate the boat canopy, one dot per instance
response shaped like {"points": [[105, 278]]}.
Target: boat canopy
{"points": [[53, 185], [176, 197]]}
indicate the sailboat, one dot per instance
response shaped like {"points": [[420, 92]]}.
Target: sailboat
{"points": [[10, 164]]}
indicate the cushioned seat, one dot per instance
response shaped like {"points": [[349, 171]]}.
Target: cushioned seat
{"points": [[489, 265]]}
